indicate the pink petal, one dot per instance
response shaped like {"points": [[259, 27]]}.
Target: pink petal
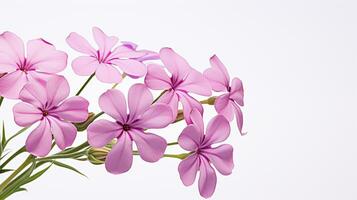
{"points": [[12, 83], [218, 74], [197, 120], [221, 157], [124, 51], [80, 44], [139, 99], [195, 82], [190, 138], [150, 146], [84, 65], [39, 141], [207, 180], [239, 117], [39, 77], [104, 42], [218, 130], [107, 73], [132, 68], [151, 118], [57, 89], [63, 132], [224, 107], [156, 78], [177, 65], [74, 109], [120, 158], [12, 46], [34, 93], [44, 57], [189, 104], [25, 114], [113, 103], [101, 132], [188, 169], [171, 99], [237, 92], [149, 55]]}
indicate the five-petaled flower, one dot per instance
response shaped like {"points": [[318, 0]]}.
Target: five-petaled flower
{"points": [[203, 154], [46, 103], [42, 60], [102, 62], [184, 79], [129, 127], [229, 103]]}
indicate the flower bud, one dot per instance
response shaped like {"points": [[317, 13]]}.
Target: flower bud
{"points": [[83, 126], [97, 155]]}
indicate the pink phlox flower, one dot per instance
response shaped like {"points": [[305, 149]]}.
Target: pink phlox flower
{"points": [[203, 154]]}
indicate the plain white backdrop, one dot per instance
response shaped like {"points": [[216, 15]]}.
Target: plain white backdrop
{"points": [[297, 60]]}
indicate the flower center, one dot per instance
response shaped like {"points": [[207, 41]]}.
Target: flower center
{"points": [[45, 113], [126, 127]]}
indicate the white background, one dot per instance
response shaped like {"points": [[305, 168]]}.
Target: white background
{"points": [[297, 60]]}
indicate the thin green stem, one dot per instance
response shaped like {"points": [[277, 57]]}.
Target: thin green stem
{"points": [[157, 98], [172, 143], [28, 161], [1, 100], [122, 77], [85, 84]]}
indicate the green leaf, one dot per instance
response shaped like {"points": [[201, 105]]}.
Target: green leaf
{"points": [[5, 170], [60, 164], [37, 175], [16, 134], [3, 138]]}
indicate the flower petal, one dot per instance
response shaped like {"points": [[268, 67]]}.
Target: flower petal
{"points": [[25, 114], [104, 42], [113, 103], [107, 73], [177, 65], [12, 83], [34, 93], [78, 43], [190, 138], [239, 118], [74, 109], [156, 78], [84, 65], [188, 104], [188, 169], [218, 130], [157, 116], [120, 158], [195, 82], [139, 100], [221, 157], [57, 89], [124, 51], [151, 147], [171, 99], [207, 180], [223, 106], [63, 132], [217, 75], [39, 141], [12, 46], [237, 92], [197, 120], [132, 68], [44, 57], [101, 132]]}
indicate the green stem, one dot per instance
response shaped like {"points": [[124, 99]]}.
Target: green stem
{"points": [[157, 98], [1, 100], [209, 101], [85, 84], [172, 143], [28, 161]]}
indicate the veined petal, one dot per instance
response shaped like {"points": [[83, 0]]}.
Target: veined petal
{"points": [[221, 157], [78, 43], [126, 52], [63, 132], [156, 78], [12, 46], [217, 74], [39, 141], [106, 73], [189, 104], [12, 83], [196, 83], [239, 117], [113, 103], [132, 68], [139, 100], [151, 147], [177, 65], [104, 42], [101, 132], [223, 106], [26, 114], [218, 130], [157, 116], [34, 93], [84, 65], [197, 120], [190, 138], [44, 57], [170, 98], [207, 180], [74, 109], [188, 169], [237, 91], [120, 158], [57, 89]]}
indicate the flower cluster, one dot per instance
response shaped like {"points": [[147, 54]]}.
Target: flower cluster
{"points": [[33, 79]]}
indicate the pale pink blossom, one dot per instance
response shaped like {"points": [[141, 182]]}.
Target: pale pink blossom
{"points": [[40, 62], [203, 154], [130, 126], [47, 104]]}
